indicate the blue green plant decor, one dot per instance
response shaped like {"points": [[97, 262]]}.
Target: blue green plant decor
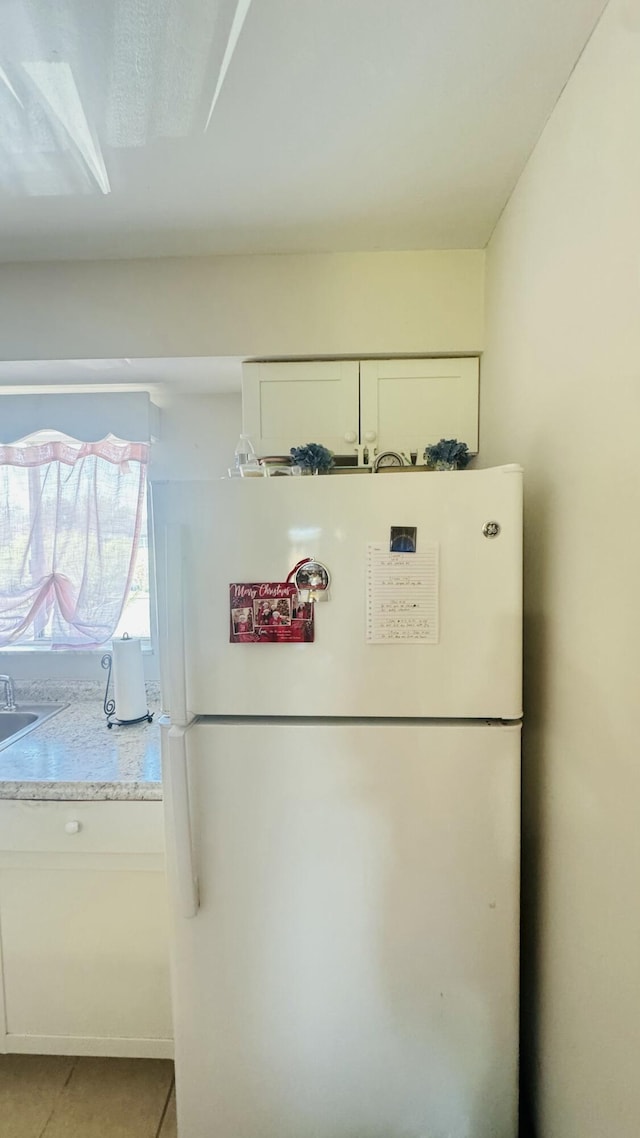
{"points": [[447, 454], [312, 457]]}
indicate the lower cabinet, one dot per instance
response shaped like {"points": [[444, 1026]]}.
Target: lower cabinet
{"points": [[84, 925]]}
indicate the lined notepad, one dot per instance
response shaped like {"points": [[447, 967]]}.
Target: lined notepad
{"points": [[402, 595]]}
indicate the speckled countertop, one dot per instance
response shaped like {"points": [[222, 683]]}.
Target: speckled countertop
{"points": [[74, 755]]}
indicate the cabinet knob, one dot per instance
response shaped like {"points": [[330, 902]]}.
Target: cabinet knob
{"points": [[350, 437], [370, 436], [73, 827]]}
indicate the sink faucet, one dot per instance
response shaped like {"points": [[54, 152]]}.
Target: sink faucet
{"points": [[9, 699]]}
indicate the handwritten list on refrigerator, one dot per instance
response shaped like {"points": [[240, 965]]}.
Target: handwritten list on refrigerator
{"points": [[402, 595]]}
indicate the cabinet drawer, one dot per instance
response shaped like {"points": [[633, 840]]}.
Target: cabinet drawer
{"points": [[87, 827]]}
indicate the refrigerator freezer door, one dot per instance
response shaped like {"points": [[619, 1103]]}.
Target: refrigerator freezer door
{"points": [[252, 530], [353, 969]]}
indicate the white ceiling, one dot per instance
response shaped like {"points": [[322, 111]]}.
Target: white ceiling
{"points": [[340, 124]]}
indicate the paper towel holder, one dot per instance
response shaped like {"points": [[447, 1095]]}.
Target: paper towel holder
{"points": [[109, 705]]}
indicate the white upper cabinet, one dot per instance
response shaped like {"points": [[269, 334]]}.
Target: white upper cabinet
{"points": [[393, 404], [406, 405], [291, 404]]}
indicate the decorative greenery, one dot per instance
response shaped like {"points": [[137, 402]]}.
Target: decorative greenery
{"points": [[313, 456], [447, 454]]}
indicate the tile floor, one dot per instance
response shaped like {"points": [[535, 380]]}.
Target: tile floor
{"points": [[50, 1096]]}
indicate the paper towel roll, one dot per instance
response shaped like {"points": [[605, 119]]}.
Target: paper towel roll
{"points": [[128, 678]]}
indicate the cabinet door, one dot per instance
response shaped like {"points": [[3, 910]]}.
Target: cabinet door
{"points": [[84, 946], [353, 969], [406, 405], [85, 954], [290, 404]]}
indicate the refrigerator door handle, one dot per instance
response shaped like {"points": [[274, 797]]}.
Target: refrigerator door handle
{"points": [[176, 785], [175, 633]]}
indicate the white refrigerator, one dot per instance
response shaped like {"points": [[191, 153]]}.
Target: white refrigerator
{"points": [[343, 813]]}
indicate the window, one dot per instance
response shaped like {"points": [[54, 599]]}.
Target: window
{"points": [[136, 614], [74, 567]]}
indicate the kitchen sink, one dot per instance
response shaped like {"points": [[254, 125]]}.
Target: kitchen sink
{"points": [[15, 724]]}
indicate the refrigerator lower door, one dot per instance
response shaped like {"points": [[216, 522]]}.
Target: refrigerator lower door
{"points": [[353, 969]]}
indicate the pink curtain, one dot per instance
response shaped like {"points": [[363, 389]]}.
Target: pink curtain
{"points": [[70, 520]]}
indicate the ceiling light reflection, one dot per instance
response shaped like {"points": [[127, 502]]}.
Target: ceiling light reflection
{"points": [[236, 27], [58, 89], [4, 78], [81, 79], [300, 535]]}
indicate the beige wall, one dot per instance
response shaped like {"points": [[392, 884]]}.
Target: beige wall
{"points": [[198, 435], [334, 304], [561, 394]]}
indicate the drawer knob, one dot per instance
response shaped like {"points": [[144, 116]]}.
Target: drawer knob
{"points": [[73, 827], [350, 437], [370, 436]]}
